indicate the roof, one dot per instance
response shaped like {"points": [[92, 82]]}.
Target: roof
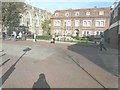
{"points": [[83, 9]]}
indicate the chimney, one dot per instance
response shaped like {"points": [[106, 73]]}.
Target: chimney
{"points": [[95, 6]]}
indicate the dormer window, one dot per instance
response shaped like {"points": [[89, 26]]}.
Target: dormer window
{"points": [[101, 12], [77, 13], [67, 14], [87, 13], [56, 14]]}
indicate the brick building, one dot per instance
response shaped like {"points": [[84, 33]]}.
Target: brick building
{"points": [[0, 19], [87, 21], [112, 35]]}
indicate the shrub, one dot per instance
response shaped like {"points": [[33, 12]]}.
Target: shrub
{"points": [[45, 37], [30, 36], [90, 38]]}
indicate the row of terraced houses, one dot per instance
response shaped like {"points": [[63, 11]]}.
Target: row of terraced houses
{"points": [[86, 22]]}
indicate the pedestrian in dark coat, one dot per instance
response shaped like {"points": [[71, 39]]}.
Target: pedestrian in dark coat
{"points": [[102, 46]]}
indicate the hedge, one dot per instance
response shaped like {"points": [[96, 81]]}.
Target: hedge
{"points": [[45, 37]]}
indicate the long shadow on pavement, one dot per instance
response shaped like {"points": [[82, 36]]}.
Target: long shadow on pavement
{"points": [[5, 62], [11, 69], [41, 83], [90, 51]]}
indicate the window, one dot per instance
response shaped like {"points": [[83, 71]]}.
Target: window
{"points": [[57, 22], [56, 14], [48, 17], [77, 13], [87, 13], [115, 13], [87, 23], [101, 12], [97, 23], [68, 32], [77, 22], [86, 33], [27, 19], [56, 32], [67, 22], [98, 33], [36, 20], [100, 23], [21, 20], [67, 14], [101, 33], [84, 23]]}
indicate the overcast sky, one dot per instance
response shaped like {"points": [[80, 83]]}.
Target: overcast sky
{"points": [[52, 5]]}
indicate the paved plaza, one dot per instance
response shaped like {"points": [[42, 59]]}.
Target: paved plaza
{"points": [[27, 64]]}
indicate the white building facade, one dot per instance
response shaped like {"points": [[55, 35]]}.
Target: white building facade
{"points": [[33, 17]]}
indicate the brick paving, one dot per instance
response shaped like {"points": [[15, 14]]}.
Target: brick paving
{"points": [[57, 62]]}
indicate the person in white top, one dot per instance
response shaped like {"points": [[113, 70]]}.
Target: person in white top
{"points": [[34, 37], [20, 35], [14, 33]]}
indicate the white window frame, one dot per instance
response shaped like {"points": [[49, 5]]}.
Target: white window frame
{"points": [[88, 13], [115, 13], [77, 13], [95, 33], [57, 22], [21, 20], [86, 23], [67, 14], [68, 32], [101, 12], [89, 23], [67, 22], [98, 23], [56, 14], [56, 31], [84, 33], [77, 23]]}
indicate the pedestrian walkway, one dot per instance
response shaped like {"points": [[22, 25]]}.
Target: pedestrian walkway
{"points": [[110, 59], [58, 62]]}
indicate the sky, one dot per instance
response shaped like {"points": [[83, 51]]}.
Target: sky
{"points": [[53, 5]]}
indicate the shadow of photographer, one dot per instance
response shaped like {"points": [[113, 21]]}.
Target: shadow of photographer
{"points": [[41, 83]]}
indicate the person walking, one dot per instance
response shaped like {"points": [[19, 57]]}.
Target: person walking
{"points": [[3, 35], [20, 35], [102, 46], [25, 35], [15, 35], [53, 39], [34, 37]]}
